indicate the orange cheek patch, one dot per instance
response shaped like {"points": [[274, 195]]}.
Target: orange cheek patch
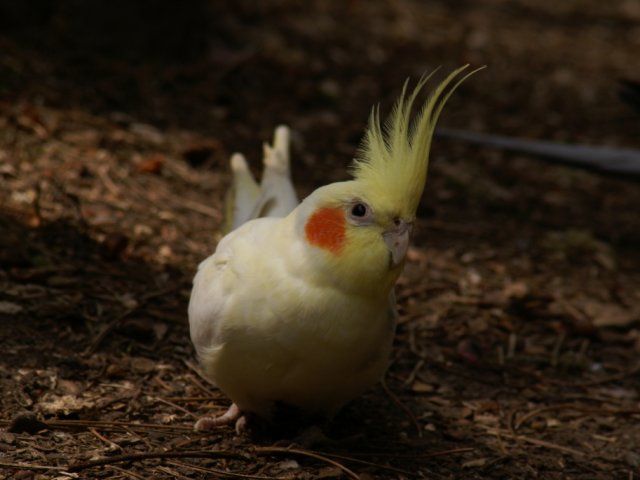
{"points": [[326, 229]]}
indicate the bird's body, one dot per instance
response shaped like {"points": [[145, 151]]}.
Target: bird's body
{"points": [[328, 348], [331, 344], [299, 309]]}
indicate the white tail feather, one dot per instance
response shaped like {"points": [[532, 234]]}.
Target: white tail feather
{"points": [[275, 197]]}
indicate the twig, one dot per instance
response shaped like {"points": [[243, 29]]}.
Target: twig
{"points": [[193, 399], [106, 180], [395, 455], [555, 354], [414, 372], [119, 425], [614, 161], [501, 444], [198, 207], [104, 439], [578, 408], [370, 464], [219, 472], [610, 378], [128, 473], [511, 346], [177, 407], [198, 372], [97, 341], [172, 472], [577, 315], [451, 451], [144, 439], [207, 454], [549, 445], [26, 466], [106, 330], [534, 413], [394, 398], [537, 442], [37, 203], [306, 453], [137, 456]]}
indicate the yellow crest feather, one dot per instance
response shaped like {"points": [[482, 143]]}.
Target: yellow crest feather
{"points": [[393, 164]]}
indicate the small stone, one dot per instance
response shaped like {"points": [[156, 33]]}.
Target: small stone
{"points": [[26, 422]]}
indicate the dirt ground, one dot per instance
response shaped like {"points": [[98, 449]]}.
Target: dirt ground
{"points": [[518, 342]]}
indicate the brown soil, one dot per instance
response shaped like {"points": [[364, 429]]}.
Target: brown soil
{"points": [[517, 348]]}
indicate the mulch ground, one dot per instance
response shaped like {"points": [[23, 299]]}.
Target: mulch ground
{"points": [[518, 342]]}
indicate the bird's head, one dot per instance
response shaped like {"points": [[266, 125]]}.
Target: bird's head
{"points": [[359, 229]]}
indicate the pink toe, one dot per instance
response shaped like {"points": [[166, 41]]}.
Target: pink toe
{"points": [[232, 415]]}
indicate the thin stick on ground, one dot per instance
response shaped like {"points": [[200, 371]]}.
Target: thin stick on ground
{"points": [[220, 472], [172, 472], [138, 456], [127, 473], [26, 466], [97, 341], [102, 424], [394, 398], [576, 408], [104, 439], [199, 373], [451, 451], [439, 453], [177, 407], [537, 442], [306, 453], [370, 464]]}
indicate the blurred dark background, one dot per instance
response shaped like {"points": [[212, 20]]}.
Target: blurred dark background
{"points": [[231, 71]]}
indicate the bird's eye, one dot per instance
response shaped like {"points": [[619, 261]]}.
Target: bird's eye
{"points": [[359, 213], [359, 210]]}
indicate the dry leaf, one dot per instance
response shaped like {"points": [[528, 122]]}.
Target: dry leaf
{"points": [[421, 387], [329, 472], [143, 365], [475, 463], [160, 330], [608, 314], [164, 418], [151, 164], [515, 290], [486, 419], [147, 133], [7, 437], [553, 422], [10, 308], [64, 404], [69, 387]]}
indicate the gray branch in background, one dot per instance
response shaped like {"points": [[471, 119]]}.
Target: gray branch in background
{"points": [[616, 161]]}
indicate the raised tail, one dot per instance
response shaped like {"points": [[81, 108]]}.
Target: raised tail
{"points": [[274, 197], [242, 196], [277, 195]]}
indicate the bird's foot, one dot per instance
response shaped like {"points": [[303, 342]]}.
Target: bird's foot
{"points": [[232, 416]]}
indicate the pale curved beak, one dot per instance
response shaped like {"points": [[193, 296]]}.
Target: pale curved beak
{"points": [[397, 240]]}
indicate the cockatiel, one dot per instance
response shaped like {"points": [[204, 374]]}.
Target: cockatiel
{"points": [[300, 309]]}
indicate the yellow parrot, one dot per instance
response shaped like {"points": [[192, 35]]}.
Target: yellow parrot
{"points": [[298, 307]]}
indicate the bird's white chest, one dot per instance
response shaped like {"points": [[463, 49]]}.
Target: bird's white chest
{"points": [[274, 337]]}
